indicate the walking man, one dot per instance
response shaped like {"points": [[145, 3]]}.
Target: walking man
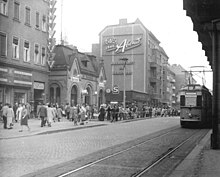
{"points": [[4, 115], [43, 114]]}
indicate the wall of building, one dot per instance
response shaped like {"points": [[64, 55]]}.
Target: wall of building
{"points": [[27, 78]]}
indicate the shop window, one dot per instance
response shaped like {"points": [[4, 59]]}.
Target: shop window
{"points": [[26, 51], [43, 56], [15, 47], [4, 7], [16, 11], [36, 54], [19, 97], [27, 16], [1, 96], [3, 44], [37, 25], [44, 23]]}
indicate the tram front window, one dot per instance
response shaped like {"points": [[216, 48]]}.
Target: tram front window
{"points": [[191, 100]]}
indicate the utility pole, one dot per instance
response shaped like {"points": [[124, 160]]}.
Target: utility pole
{"points": [[124, 92]]}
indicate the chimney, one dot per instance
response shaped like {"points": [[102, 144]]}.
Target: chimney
{"points": [[123, 21]]}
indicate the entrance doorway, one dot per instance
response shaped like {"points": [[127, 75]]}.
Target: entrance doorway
{"points": [[100, 97], [88, 96], [74, 95], [55, 94]]}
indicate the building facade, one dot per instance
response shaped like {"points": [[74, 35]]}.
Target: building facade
{"points": [[76, 78], [23, 51], [143, 66], [182, 78]]}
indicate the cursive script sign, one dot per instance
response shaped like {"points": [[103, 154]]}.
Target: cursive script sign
{"points": [[123, 46]]}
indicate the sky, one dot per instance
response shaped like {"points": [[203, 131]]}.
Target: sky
{"points": [[83, 20]]}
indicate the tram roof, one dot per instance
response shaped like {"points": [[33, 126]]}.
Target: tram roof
{"points": [[194, 87]]}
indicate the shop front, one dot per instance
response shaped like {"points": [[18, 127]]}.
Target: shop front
{"points": [[15, 86]]}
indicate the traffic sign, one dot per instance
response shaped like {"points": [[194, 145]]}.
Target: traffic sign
{"points": [[115, 90]]}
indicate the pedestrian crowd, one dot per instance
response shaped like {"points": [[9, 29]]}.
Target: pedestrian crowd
{"points": [[115, 112], [79, 114], [18, 113]]}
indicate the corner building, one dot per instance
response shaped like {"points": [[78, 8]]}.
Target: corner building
{"points": [[23, 51], [143, 78]]}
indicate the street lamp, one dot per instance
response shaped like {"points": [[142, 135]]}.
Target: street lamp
{"points": [[125, 60]]}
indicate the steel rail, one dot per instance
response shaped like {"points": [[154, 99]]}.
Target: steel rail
{"points": [[114, 154], [140, 173]]}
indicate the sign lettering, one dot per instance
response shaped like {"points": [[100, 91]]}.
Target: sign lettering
{"points": [[123, 46]]}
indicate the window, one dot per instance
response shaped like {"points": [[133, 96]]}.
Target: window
{"points": [[27, 16], [15, 46], [16, 10], [43, 56], [26, 51], [37, 20], [36, 53], [4, 7], [44, 23], [199, 100], [182, 100], [3, 44]]}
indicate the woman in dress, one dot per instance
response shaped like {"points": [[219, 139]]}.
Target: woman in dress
{"points": [[10, 116], [24, 118], [50, 115]]}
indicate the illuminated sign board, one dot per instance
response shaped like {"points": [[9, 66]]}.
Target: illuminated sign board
{"points": [[126, 44]]}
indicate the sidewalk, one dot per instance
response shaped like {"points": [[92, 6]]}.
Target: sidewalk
{"points": [[36, 129], [201, 162], [64, 125]]}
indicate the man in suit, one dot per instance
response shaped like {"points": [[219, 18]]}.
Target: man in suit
{"points": [[42, 112]]}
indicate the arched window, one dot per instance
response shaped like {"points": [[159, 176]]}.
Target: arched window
{"points": [[51, 94], [88, 96], [74, 95]]}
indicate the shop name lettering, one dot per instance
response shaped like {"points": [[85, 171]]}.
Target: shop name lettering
{"points": [[124, 46]]}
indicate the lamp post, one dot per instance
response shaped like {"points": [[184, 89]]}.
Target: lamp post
{"points": [[124, 94]]}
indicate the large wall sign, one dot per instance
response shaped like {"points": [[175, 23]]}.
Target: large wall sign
{"points": [[126, 44]]}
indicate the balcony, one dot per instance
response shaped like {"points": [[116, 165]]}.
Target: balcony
{"points": [[153, 64], [153, 78]]}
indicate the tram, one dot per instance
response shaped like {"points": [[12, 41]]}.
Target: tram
{"points": [[195, 106]]}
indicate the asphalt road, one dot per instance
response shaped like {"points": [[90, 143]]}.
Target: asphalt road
{"points": [[29, 154]]}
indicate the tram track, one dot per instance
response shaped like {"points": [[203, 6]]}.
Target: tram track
{"points": [[160, 159], [139, 172]]}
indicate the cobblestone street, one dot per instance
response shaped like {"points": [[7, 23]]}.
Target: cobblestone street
{"points": [[24, 155]]}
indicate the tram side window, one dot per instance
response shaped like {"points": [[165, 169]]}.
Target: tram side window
{"points": [[182, 100], [199, 100]]}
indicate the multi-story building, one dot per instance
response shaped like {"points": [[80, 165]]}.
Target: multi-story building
{"points": [[171, 88], [23, 50], [145, 59], [76, 78]]}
